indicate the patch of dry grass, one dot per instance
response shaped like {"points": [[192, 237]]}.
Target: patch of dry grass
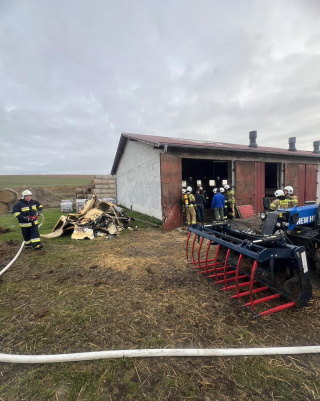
{"points": [[137, 291]]}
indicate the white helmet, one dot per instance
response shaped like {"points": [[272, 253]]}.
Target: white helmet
{"points": [[226, 187], [183, 191], [215, 190], [189, 189], [289, 189], [26, 193], [279, 192], [222, 190], [200, 189]]}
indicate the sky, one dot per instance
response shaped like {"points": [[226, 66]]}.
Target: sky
{"points": [[75, 74]]}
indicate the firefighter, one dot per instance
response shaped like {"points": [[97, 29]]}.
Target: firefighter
{"points": [[183, 205], [27, 211], [206, 197], [225, 209], [281, 202], [230, 200], [292, 199], [190, 205], [217, 204], [200, 202]]}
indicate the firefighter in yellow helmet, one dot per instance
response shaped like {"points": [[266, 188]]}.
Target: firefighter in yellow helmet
{"points": [[27, 210], [280, 202], [183, 208], [190, 206], [230, 201], [291, 198]]}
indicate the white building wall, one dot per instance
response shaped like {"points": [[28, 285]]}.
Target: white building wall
{"points": [[138, 179]]}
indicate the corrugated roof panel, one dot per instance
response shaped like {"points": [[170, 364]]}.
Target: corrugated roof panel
{"points": [[162, 140], [193, 143]]}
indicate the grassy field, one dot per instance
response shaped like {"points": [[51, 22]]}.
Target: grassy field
{"points": [[12, 181], [136, 292]]}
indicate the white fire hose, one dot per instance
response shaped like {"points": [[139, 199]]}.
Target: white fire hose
{"points": [[20, 250], [151, 353], [166, 352]]}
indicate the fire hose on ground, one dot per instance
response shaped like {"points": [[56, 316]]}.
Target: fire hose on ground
{"points": [[150, 353], [19, 251]]}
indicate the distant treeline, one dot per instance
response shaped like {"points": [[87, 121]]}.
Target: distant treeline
{"points": [[11, 181]]}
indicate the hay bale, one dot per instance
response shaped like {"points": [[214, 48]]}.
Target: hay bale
{"points": [[88, 187], [4, 208], [8, 195], [103, 177], [97, 181], [99, 191]]}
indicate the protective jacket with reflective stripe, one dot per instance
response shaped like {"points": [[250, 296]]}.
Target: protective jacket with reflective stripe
{"points": [[23, 210], [280, 203], [292, 200]]}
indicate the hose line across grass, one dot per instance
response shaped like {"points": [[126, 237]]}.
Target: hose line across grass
{"points": [[151, 353], [18, 253]]}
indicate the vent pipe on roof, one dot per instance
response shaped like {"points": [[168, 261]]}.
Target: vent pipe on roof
{"points": [[253, 137], [316, 145], [292, 144]]}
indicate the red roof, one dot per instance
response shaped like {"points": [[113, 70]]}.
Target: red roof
{"points": [[161, 141]]}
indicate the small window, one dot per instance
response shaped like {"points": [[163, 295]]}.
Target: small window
{"points": [[224, 182], [199, 183], [184, 184], [212, 183]]}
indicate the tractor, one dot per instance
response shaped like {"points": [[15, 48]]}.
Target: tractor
{"points": [[300, 225]]}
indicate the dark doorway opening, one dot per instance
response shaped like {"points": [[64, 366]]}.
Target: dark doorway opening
{"points": [[272, 178], [208, 174]]}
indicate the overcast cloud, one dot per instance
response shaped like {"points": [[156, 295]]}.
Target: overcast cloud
{"points": [[74, 74]]}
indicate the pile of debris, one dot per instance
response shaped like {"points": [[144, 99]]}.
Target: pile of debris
{"points": [[96, 219]]}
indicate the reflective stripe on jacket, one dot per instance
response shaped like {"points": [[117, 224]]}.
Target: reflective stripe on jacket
{"points": [[23, 210], [279, 204], [292, 200]]}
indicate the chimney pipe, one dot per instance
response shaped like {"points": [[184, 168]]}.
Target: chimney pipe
{"points": [[253, 137], [316, 145], [292, 144]]}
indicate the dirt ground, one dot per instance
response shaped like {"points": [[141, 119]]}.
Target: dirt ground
{"points": [[146, 296]]}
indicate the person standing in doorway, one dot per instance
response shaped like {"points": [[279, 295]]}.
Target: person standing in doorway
{"points": [[200, 202], [190, 205], [290, 196], [27, 211], [280, 202], [230, 200], [218, 204]]}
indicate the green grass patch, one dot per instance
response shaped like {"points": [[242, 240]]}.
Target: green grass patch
{"points": [[51, 217], [140, 216], [45, 181]]}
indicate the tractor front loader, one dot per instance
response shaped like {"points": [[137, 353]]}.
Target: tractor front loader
{"points": [[301, 226], [265, 271]]}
